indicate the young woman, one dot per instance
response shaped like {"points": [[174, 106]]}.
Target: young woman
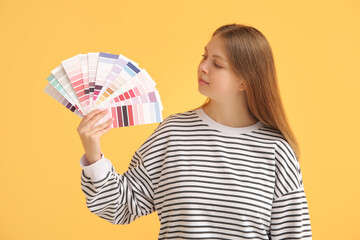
{"points": [[228, 169]]}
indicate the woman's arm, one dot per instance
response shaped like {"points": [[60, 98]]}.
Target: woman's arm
{"points": [[117, 198], [290, 214]]}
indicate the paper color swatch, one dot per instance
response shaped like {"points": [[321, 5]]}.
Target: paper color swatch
{"points": [[90, 81]]}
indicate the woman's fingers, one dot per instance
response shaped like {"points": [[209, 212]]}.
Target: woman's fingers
{"points": [[93, 120], [104, 130], [101, 129], [88, 116], [96, 118]]}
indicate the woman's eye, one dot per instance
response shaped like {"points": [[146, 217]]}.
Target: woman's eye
{"points": [[217, 65]]}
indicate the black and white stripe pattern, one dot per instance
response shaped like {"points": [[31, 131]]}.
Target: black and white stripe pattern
{"points": [[205, 182]]}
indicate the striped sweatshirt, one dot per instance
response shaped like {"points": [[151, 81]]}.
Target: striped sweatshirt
{"points": [[205, 180]]}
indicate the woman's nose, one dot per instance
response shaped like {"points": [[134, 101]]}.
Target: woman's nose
{"points": [[203, 67]]}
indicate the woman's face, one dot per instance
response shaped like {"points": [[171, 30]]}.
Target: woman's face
{"points": [[221, 83]]}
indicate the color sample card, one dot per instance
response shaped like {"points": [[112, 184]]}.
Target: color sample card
{"points": [[93, 62], [52, 91], [95, 80], [72, 68], [85, 75], [60, 75], [115, 71]]}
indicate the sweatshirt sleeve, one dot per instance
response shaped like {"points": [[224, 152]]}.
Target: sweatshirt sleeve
{"points": [[117, 198], [290, 214]]}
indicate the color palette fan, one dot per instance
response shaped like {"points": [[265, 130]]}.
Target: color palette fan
{"points": [[89, 81]]}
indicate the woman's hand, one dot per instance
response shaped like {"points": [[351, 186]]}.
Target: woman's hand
{"points": [[90, 136]]}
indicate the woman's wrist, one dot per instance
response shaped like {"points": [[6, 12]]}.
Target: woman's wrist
{"points": [[93, 158]]}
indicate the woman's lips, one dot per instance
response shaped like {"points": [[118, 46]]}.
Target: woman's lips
{"points": [[202, 81]]}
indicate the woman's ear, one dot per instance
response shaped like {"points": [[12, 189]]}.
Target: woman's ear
{"points": [[242, 87]]}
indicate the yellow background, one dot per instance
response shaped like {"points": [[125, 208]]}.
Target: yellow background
{"points": [[316, 50]]}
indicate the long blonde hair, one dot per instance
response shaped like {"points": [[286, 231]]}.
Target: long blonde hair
{"points": [[251, 58]]}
